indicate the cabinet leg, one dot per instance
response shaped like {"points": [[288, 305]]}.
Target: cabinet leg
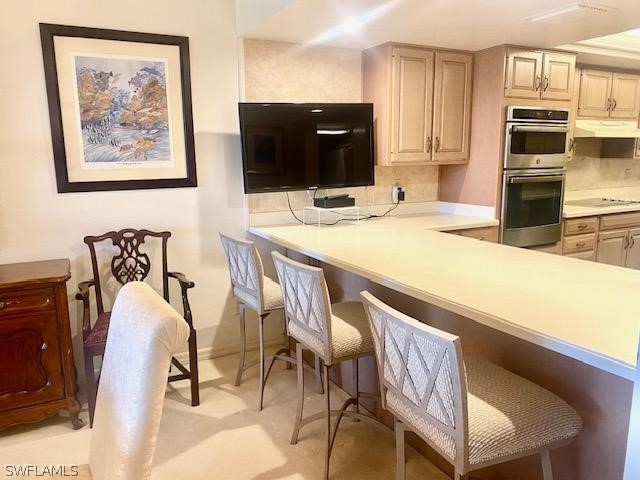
{"points": [[74, 411]]}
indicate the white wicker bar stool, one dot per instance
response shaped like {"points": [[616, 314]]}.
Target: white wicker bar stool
{"points": [[257, 292], [483, 418], [335, 333]]}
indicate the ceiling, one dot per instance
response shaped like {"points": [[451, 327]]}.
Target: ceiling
{"points": [[617, 50], [463, 24]]}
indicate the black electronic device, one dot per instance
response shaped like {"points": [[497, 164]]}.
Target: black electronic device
{"points": [[296, 146], [334, 201]]}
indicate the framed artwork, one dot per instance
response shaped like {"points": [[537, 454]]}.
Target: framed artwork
{"points": [[120, 109]]}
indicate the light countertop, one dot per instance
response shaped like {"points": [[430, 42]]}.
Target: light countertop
{"points": [[572, 211], [585, 310]]}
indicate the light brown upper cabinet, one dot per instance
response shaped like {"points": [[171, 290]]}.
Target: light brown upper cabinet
{"points": [[606, 94], [539, 75], [625, 96], [422, 104], [451, 106], [412, 96]]}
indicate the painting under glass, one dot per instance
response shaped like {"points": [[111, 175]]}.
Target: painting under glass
{"points": [[123, 110]]}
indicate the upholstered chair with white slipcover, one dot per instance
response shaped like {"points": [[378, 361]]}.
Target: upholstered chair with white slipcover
{"points": [[144, 334], [474, 413], [333, 332]]}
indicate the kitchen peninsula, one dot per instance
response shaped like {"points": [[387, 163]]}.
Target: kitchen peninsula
{"points": [[585, 312]]}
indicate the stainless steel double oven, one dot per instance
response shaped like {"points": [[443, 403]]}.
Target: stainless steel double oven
{"points": [[535, 157]]}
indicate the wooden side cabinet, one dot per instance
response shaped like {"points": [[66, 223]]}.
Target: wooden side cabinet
{"points": [[37, 376]]}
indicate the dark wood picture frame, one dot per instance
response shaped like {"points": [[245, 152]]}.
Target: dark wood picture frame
{"points": [[47, 34]]}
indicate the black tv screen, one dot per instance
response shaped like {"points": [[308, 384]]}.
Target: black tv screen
{"points": [[295, 146]]}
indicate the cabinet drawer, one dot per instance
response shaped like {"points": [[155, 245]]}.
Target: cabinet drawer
{"points": [[578, 243], [588, 255], [576, 226], [26, 301], [489, 234], [620, 220]]}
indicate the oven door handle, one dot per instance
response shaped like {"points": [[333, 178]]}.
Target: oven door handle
{"points": [[537, 179], [541, 129]]}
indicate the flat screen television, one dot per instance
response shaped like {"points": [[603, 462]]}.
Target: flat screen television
{"points": [[296, 146]]}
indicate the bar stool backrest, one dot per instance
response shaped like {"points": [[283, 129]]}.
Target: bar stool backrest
{"points": [[245, 269], [421, 369], [306, 304]]}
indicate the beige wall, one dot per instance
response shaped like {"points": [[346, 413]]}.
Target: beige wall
{"points": [[287, 72], [595, 167], [38, 223]]}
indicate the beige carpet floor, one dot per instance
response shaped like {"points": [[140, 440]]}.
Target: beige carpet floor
{"points": [[227, 438]]}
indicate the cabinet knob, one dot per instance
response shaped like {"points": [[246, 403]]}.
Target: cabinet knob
{"points": [[2, 305], [44, 346]]}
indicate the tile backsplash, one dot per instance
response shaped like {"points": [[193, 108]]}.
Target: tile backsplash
{"points": [[592, 168], [420, 183]]}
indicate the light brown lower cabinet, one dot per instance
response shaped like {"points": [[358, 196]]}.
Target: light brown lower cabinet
{"points": [[619, 247], [612, 247], [588, 255], [487, 234], [612, 239]]}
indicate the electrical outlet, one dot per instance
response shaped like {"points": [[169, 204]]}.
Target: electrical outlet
{"points": [[397, 194]]}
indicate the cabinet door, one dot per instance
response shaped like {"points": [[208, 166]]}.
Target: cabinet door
{"points": [[31, 370], [452, 106], [595, 93], [524, 74], [412, 97], [625, 96], [557, 78], [612, 247], [633, 250]]}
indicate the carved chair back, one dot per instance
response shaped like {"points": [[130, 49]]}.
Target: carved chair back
{"points": [[422, 377], [307, 305], [130, 263]]}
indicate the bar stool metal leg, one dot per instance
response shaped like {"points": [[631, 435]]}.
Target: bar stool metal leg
{"points": [[262, 372], [300, 407], [243, 345], [400, 452], [327, 396], [547, 472], [355, 376], [318, 369]]}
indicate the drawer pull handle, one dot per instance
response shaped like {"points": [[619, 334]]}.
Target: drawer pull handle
{"points": [[44, 346], [581, 244], [2, 305], [582, 226]]}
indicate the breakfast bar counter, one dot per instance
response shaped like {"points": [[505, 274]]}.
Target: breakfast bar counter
{"points": [[584, 310]]}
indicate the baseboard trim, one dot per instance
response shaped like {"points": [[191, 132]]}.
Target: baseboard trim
{"points": [[208, 353]]}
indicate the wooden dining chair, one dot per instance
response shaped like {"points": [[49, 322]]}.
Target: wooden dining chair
{"points": [[129, 264]]}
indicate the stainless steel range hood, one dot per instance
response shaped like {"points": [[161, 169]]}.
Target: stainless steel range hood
{"points": [[606, 129]]}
